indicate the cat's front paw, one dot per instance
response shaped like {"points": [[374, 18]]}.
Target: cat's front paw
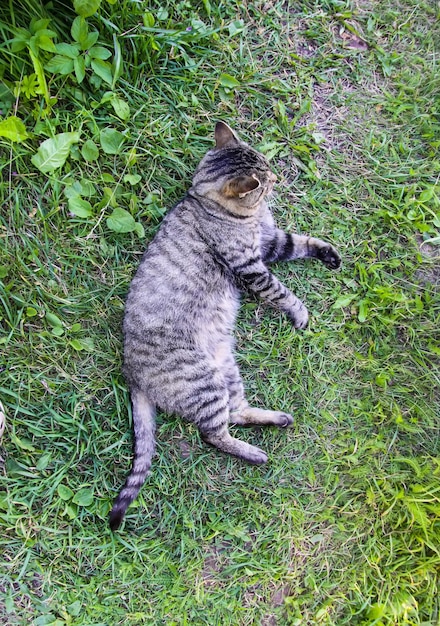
{"points": [[330, 257], [300, 317]]}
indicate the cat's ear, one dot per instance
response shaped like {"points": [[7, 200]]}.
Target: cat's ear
{"points": [[240, 186], [224, 136]]}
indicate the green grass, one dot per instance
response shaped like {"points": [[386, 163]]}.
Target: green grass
{"points": [[342, 526]]}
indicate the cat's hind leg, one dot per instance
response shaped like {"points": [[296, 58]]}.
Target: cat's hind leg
{"points": [[204, 400], [212, 421], [252, 416], [224, 441], [241, 413]]}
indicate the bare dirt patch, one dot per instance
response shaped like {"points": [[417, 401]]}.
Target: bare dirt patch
{"points": [[429, 275], [214, 563]]}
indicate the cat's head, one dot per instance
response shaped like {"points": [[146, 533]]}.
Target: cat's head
{"points": [[234, 174]]}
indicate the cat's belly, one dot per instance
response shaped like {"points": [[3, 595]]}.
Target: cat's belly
{"points": [[170, 343], [167, 315], [215, 325]]}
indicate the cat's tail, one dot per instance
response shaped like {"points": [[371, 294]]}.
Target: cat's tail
{"points": [[144, 413]]}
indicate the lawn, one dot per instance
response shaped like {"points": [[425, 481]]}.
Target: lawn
{"points": [[103, 119]]}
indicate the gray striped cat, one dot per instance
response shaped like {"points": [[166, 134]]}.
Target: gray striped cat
{"points": [[182, 303]]}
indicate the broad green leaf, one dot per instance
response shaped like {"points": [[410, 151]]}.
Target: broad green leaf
{"points": [[76, 345], [344, 300], [9, 604], [80, 207], [235, 27], [57, 331], [199, 27], [54, 320], [382, 379], [74, 608], [121, 108], [33, 45], [228, 81], [60, 65], [17, 45], [22, 34], [90, 151], [24, 443], [84, 497], [90, 40], [111, 140], [20, 41], [132, 179], [162, 14], [46, 32], [65, 492], [376, 611], [99, 52], [121, 221], [67, 50], [139, 230], [86, 8], [43, 461], [12, 128], [83, 187], [53, 152], [427, 194], [31, 312], [107, 97], [79, 66], [71, 511], [363, 311], [87, 344], [79, 30], [103, 70], [40, 24], [45, 42], [148, 19], [70, 190]]}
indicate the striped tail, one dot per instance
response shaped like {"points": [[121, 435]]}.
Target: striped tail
{"points": [[143, 426]]}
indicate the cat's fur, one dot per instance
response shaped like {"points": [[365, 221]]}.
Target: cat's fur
{"points": [[183, 300]]}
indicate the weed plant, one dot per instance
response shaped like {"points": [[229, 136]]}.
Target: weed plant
{"points": [[106, 108]]}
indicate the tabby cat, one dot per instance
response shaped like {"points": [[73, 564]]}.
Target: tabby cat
{"points": [[183, 300]]}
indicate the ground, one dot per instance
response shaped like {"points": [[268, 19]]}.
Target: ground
{"points": [[342, 524]]}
